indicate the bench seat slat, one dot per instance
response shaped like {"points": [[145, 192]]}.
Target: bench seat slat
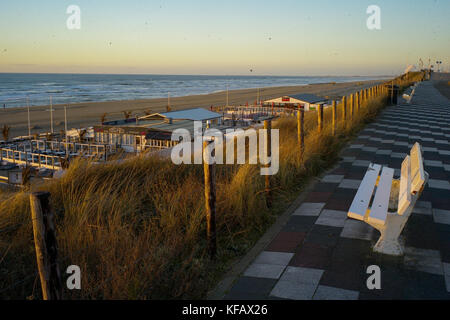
{"points": [[404, 194], [362, 198], [379, 210]]}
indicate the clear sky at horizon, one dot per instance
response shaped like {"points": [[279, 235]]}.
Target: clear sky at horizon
{"points": [[284, 37]]}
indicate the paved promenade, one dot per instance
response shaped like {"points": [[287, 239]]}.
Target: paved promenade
{"points": [[321, 254]]}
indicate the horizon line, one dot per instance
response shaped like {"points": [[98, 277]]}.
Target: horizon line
{"points": [[200, 74]]}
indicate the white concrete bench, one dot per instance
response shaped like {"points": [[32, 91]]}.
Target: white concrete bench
{"points": [[372, 201], [409, 93]]}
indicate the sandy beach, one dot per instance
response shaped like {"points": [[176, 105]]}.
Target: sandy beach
{"points": [[88, 114]]}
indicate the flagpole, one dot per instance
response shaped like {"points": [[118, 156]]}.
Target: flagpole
{"points": [[28, 111], [65, 129], [227, 95], [51, 115]]}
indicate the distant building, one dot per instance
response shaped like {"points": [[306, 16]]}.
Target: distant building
{"points": [[154, 130], [11, 174], [306, 100]]}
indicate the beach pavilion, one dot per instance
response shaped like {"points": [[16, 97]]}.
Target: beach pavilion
{"points": [[306, 100], [154, 131]]}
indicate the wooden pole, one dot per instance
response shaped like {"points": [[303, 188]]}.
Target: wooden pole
{"points": [[357, 102], [210, 203], [301, 130], [352, 104], [268, 127], [46, 245], [392, 92], [344, 108], [334, 117], [320, 117]]}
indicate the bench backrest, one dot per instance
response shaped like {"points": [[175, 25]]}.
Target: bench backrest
{"points": [[404, 194], [417, 172], [412, 178]]}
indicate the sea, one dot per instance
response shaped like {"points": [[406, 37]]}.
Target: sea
{"points": [[20, 89]]}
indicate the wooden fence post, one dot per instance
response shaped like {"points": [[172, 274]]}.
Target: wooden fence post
{"points": [[210, 203], [392, 92], [268, 127], [301, 130], [334, 116], [357, 102], [352, 105], [46, 246], [344, 108], [320, 117]]}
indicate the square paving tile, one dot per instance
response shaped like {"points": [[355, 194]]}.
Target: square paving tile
{"points": [[323, 235], [420, 232], [439, 184], [274, 258], [433, 163], [318, 196], [398, 155], [332, 218], [369, 149], [423, 260], [260, 270], [355, 229], [422, 207], [361, 163], [350, 184], [424, 286], [384, 152], [312, 255], [342, 204], [333, 178], [297, 283], [309, 209], [331, 293], [441, 216], [325, 187], [249, 288], [286, 242], [299, 223], [446, 267]]}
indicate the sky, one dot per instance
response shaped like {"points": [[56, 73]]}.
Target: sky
{"points": [[232, 37]]}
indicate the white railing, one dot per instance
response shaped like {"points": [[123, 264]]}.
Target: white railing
{"points": [[28, 158]]}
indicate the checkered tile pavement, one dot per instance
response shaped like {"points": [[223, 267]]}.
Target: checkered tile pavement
{"points": [[321, 254]]}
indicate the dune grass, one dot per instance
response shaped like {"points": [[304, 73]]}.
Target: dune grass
{"points": [[137, 229]]}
